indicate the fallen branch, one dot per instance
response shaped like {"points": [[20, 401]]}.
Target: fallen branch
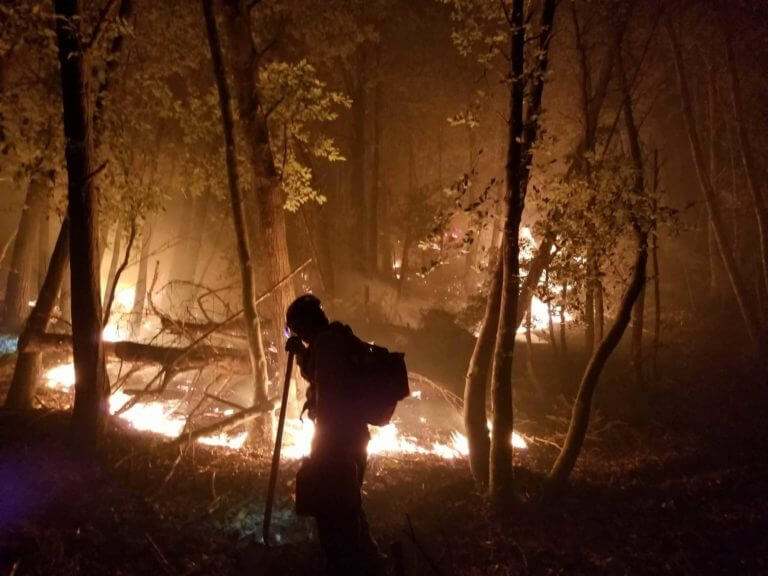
{"points": [[118, 273], [160, 557], [222, 425]]}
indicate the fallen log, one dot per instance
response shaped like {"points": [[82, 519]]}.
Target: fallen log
{"points": [[180, 359]]}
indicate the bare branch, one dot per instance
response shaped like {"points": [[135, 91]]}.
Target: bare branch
{"points": [[98, 30], [119, 272]]}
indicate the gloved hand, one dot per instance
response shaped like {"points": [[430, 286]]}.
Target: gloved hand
{"points": [[294, 345]]}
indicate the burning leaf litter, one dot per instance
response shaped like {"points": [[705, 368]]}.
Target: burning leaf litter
{"points": [[164, 418]]}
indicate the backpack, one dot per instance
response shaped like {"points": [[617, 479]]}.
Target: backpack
{"points": [[380, 380]]}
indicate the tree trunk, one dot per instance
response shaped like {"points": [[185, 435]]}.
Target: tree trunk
{"points": [[21, 284], [478, 372], [599, 312], [253, 326], [65, 297], [589, 315], [140, 293], [357, 160], [29, 365], [563, 364], [582, 406], [577, 429], [43, 243], [655, 268], [187, 254], [90, 412], [265, 181], [476, 381], [404, 263], [117, 244], [638, 317], [705, 183], [501, 476], [519, 155], [714, 256], [314, 217], [551, 326], [469, 259], [529, 367], [747, 158], [372, 227]]}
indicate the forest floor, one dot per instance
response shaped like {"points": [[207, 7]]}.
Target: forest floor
{"points": [[682, 492]]}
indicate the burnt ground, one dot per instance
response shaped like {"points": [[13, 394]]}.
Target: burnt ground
{"points": [[679, 490]]}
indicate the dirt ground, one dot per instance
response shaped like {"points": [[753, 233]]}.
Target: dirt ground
{"points": [[680, 491]]}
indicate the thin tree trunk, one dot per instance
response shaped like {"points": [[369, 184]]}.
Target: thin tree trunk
{"points": [[655, 268], [117, 244], [90, 412], [372, 228], [469, 259], [519, 155], [253, 328], [29, 365], [522, 136], [357, 161], [551, 326], [582, 406], [563, 364], [140, 293], [589, 313], [577, 429], [65, 297], [21, 284], [638, 316], [529, 367], [478, 372], [187, 254], [599, 312], [747, 158], [43, 243], [266, 185], [714, 256], [705, 183], [404, 263], [563, 339], [475, 418]]}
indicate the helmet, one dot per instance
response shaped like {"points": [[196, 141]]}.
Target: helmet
{"points": [[305, 310]]}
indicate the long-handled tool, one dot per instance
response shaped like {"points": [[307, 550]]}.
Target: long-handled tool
{"points": [[276, 454]]}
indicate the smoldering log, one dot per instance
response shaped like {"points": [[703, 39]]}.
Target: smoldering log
{"points": [[182, 359]]}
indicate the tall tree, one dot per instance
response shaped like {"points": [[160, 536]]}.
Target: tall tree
{"points": [[252, 322], [268, 194], [21, 284], [29, 364], [705, 183], [90, 411], [747, 156], [582, 406], [523, 132]]}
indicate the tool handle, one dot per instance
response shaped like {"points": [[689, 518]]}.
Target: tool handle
{"points": [[276, 454]]}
